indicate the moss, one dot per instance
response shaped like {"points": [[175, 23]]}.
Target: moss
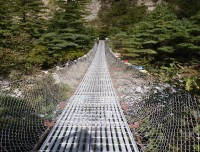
{"points": [[196, 148], [197, 130]]}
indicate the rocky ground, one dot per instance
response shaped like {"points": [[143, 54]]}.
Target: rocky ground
{"points": [[155, 111], [150, 4], [93, 9]]}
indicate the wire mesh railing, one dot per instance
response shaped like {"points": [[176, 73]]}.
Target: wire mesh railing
{"points": [[93, 120], [162, 118], [29, 107]]}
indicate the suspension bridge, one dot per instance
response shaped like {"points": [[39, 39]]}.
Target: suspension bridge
{"points": [[92, 118]]}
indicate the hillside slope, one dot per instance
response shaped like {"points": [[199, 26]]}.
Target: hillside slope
{"points": [[93, 9], [40, 34], [165, 41]]}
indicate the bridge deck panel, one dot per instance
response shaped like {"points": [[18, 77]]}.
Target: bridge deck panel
{"points": [[93, 119]]}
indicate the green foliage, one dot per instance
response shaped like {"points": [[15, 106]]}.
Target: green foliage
{"points": [[21, 24], [12, 114], [185, 8], [66, 32], [192, 84], [196, 18], [29, 16], [196, 148], [197, 129], [160, 41], [26, 115], [38, 56], [33, 38], [166, 49], [119, 15]]}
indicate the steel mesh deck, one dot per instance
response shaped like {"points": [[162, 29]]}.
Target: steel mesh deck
{"points": [[93, 120]]}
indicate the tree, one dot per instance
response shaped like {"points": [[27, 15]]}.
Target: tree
{"points": [[30, 16], [21, 24], [67, 31], [5, 22], [185, 8]]}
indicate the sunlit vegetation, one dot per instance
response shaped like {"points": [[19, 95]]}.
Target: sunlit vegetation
{"points": [[164, 41], [36, 36]]}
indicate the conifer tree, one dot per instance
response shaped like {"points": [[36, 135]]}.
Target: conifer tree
{"points": [[30, 15], [5, 22], [21, 23], [66, 31]]}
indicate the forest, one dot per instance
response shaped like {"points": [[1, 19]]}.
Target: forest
{"points": [[35, 35], [165, 41]]}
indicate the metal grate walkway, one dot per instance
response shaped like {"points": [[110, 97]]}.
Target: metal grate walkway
{"points": [[93, 119]]}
